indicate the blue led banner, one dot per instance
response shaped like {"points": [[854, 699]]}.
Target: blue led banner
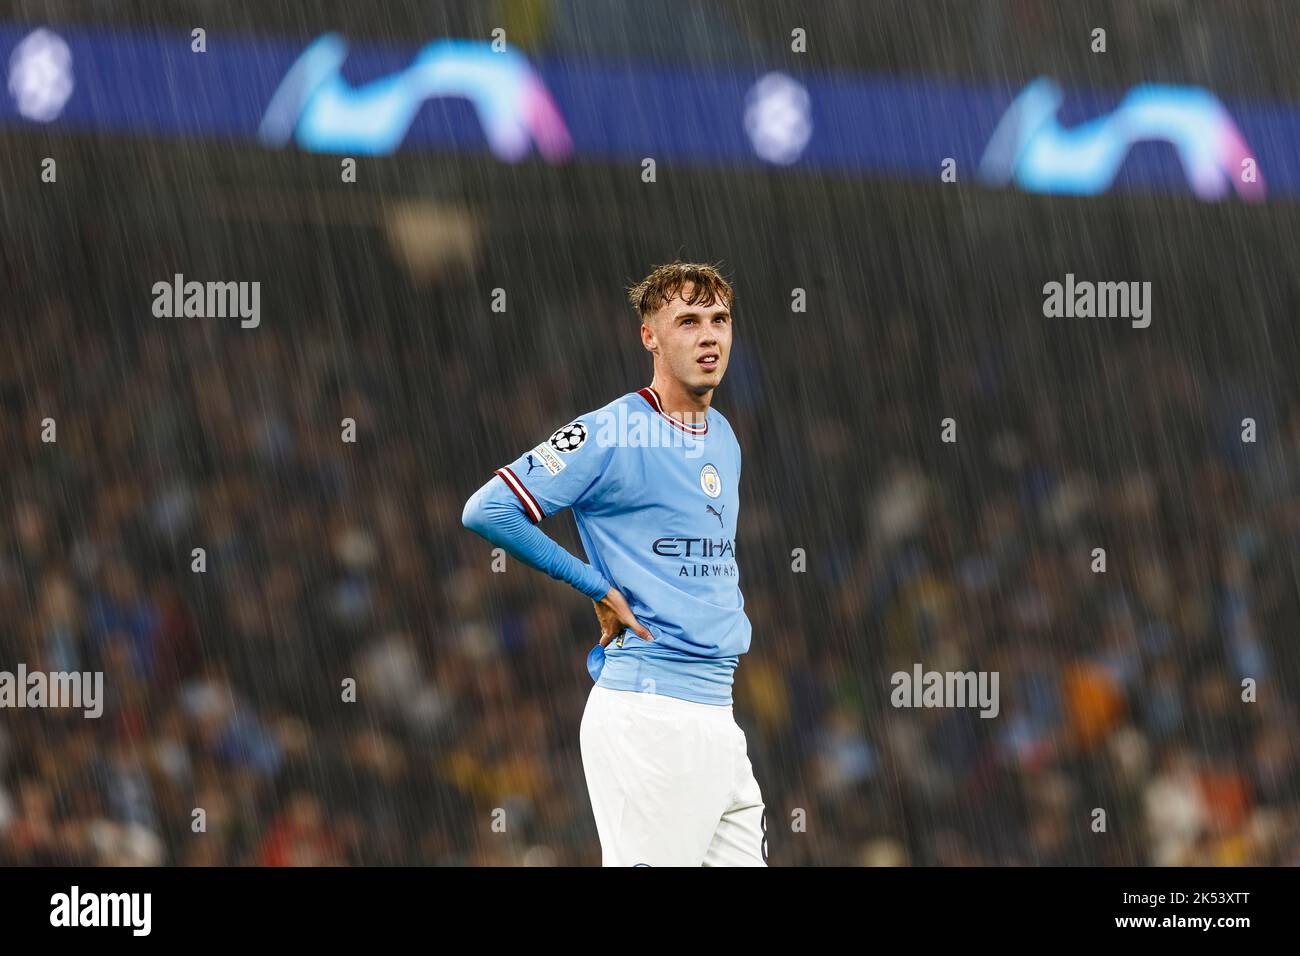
{"points": [[458, 95]]}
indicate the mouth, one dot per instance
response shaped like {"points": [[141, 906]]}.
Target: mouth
{"points": [[709, 361]]}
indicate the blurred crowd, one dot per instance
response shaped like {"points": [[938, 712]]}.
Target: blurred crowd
{"points": [[342, 675]]}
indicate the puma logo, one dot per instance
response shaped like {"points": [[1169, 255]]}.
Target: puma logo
{"points": [[718, 514]]}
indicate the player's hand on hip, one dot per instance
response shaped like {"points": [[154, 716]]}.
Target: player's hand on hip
{"points": [[615, 616]]}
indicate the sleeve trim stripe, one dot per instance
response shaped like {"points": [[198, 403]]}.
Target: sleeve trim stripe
{"points": [[531, 507]]}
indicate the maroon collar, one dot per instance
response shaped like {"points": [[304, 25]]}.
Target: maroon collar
{"points": [[652, 398]]}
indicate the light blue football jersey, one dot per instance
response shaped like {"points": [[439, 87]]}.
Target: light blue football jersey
{"points": [[656, 503]]}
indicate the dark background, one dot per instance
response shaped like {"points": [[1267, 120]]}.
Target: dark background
{"points": [[326, 560]]}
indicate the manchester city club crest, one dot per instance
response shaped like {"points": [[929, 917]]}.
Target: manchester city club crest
{"points": [[710, 482]]}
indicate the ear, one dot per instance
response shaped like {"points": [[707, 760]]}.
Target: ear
{"points": [[648, 339]]}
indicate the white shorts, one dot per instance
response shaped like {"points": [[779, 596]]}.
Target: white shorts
{"points": [[670, 782]]}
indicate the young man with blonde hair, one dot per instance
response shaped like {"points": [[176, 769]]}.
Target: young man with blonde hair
{"points": [[652, 480]]}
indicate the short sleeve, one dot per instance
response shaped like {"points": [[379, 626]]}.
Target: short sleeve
{"points": [[561, 472]]}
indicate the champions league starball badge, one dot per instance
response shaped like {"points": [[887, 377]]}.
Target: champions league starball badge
{"points": [[569, 438]]}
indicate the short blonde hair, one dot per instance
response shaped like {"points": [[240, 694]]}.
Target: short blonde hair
{"points": [[667, 281]]}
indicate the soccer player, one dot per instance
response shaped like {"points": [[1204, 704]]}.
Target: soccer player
{"points": [[653, 482]]}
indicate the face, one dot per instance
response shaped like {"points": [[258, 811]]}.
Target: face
{"points": [[691, 343]]}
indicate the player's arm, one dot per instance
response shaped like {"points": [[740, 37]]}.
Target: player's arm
{"points": [[495, 513], [541, 482]]}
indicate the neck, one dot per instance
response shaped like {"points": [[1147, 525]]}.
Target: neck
{"points": [[678, 401]]}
